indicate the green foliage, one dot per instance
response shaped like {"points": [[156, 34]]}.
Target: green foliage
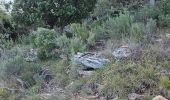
{"points": [[51, 45], [23, 69], [107, 8], [152, 26], [81, 31], [44, 40], [146, 12], [59, 13], [160, 12], [44, 37], [6, 28], [69, 45], [163, 6], [121, 79], [4, 93], [165, 83], [119, 27], [137, 32], [77, 45], [164, 20], [5, 43]]}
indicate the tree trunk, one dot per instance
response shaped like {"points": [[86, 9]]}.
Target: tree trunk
{"points": [[152, 2]]}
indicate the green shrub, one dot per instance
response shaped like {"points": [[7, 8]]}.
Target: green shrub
{"points": [[165, 83], [77, 45], [146, 11], [100, 32], [45, 41], [164, 20], [107, 8], [69, 45], [43, 37], [83, 32], [91, 39], [164, 13], [163, 6], [137, 32], [6, 29], [18, 67], [119, 27], [122, 79], [64, 44], [6, 43], [160, 12]]}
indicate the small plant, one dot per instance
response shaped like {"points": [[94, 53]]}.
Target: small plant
{"points": [[5, 42], [165, 83], [84, 33], [91, 39], [137, 32], [80, 31], [77, 45], [4, 93], [69, 45]]}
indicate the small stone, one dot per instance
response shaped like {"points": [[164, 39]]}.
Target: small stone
{"points": [[133, 96], [91, 60], [122, 52], [159, 97], [46, 74], [31, 56], [86, 73]]}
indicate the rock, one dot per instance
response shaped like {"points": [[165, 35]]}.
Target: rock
{"points": [[31, 56], [167, 35], [90, 60], [68, 31], [134, 96], [159, 97], [46, 74], [122, 52], [86, 73], [165, 92]]}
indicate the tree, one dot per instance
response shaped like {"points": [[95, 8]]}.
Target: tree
{"points": [[51, 12]]}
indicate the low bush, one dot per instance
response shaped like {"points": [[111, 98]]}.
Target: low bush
{"points": [[19, 68], [44, 37], [164, 20], [119, 27], [45, 41], [81, 31], [160, 12], [67, 46], [120, 79]]}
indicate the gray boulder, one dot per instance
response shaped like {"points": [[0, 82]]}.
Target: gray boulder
{"points": [[68, 31], [91, 60], [122, 52]]}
